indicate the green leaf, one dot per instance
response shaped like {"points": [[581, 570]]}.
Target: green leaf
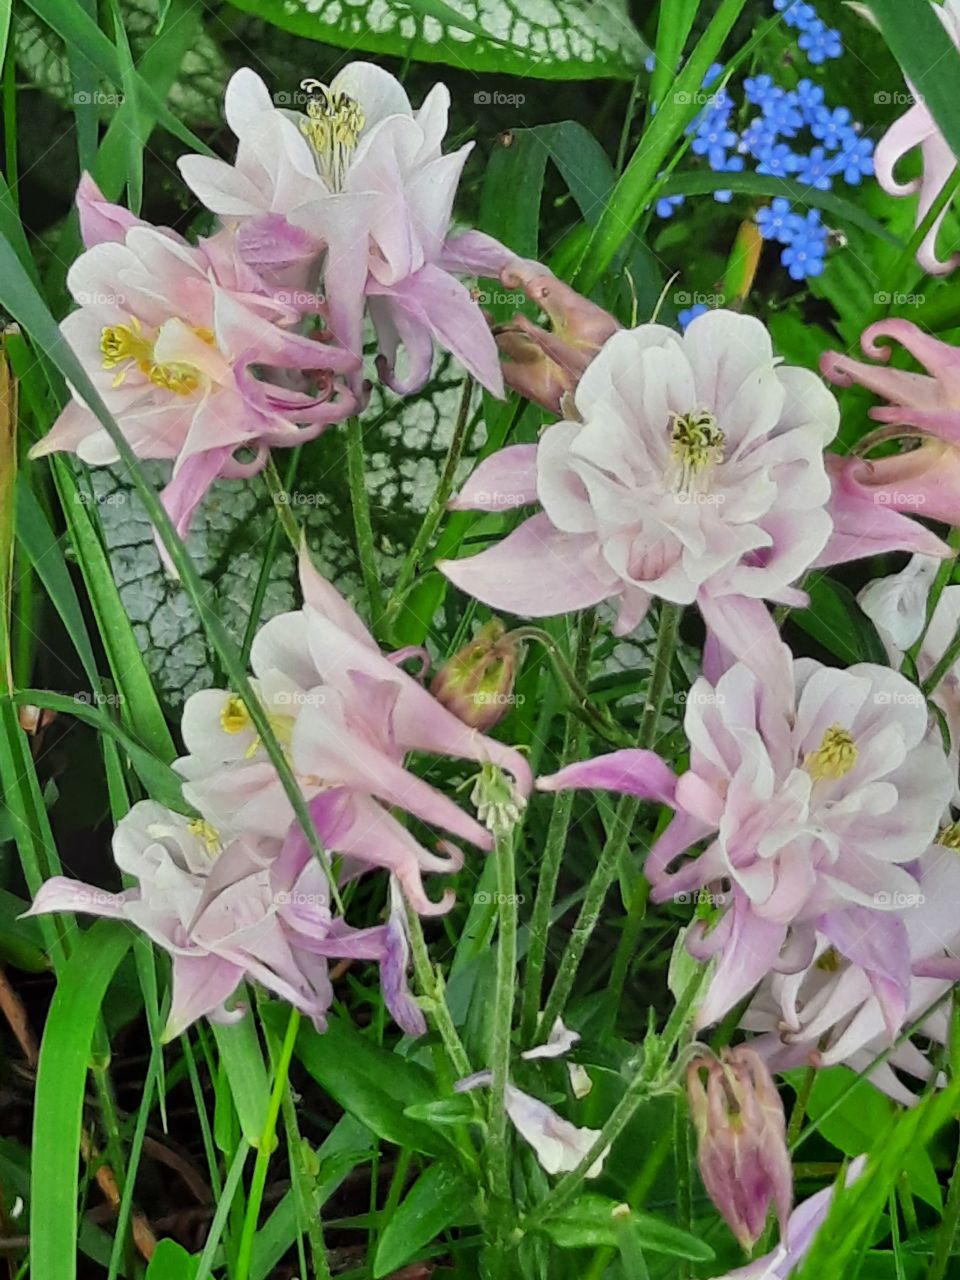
{"points": [[21, 943], [371, 1084], [171, 1261], [438, 1198], [242, 1059], [836, 621], [588, 1223], [58, 1108], [556, 40]]}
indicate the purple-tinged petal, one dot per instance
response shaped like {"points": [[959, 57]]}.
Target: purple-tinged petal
{"points": [[507, 479], [62, 894], [631, 771], [745, 628], [200, 986], [100, 220], [875, 941]]}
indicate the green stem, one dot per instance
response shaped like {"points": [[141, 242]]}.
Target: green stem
{"points": [[947, 1234], [363, 525], [498, 1136], [943, 576], [281, 504], [649, 1080], [625, 814], [800, 1106], [553, 849], [633, 189], [431, 984], [950, 656], [898, 272], [438, 503], [265, 1148]]}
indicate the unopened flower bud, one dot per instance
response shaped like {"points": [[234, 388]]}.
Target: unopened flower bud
{"points": [[741, 1130], [476, 684], [545, 365]]}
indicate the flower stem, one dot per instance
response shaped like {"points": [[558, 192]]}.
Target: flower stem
{"points": [[650, 1079], [625, 814], [281, 504], [265, 1148], [950, 656], [554, 847], [363, 525], [431, 984], [498, 1137], [438, 503]]}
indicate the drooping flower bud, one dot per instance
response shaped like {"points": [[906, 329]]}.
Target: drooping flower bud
{"points": [[741, 1129], [546, 365], [476, 684]]}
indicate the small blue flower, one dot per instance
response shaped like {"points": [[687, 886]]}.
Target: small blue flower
{"points": [[804, 255], [820, 42], [810, 97], [666, 204], [778, 161], [758, 88], [832, 126], [818, 169], [856, 156], [714, 132], [777, 221], [714, 71], [690, 313], [759, 136], [796, 13], [783, 111]]}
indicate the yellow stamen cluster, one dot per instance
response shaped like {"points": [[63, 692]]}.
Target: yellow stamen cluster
{"points": [[234, 718], [835, 757], [949, 836], [696, 442], [830, 961], [333, 125], [125, 346], [208, 833]]}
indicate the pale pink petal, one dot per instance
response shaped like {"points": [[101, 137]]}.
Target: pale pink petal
{"points": [[507, 479]]}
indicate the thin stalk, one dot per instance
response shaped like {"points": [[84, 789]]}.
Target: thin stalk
{"points": [[553, 848], [498, 1135], [946, 1236], [362, 524], [626, 812], [649, 1080], [898, 271], [281, 504], [438, 503], [631, 1252], [304, 1183], [800, 1106], [265, 1148], [681, 1154], [950, 656], [431, 984]]}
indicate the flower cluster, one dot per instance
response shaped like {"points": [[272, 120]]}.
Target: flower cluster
{"points": [[235, 891], [794, 134], [212, 355]]}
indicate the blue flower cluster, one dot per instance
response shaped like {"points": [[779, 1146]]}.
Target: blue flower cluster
{"points": [[792, 133], [818, 41]]}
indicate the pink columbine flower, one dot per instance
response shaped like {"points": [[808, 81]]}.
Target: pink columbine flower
{"points": [[813, 794], [545, 365], [917, 128], [357, 185], [805, 1221], [848, 1004], [347, 715], [924, 480], [742, 1148], [170, 335], [228, 913], [695, 473]]}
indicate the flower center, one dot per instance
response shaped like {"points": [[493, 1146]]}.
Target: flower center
{"points": [[835, 757], [235, 717], [830, 961], [696, 443], [126, 346], [333, 125], [949, 836], [208, 833]]}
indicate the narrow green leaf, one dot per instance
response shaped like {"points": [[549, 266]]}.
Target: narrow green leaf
{"points": [[58, 1106], [242, 1059], [171, 1261], [836, 621], [439, 1197], [588, 1223]]}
